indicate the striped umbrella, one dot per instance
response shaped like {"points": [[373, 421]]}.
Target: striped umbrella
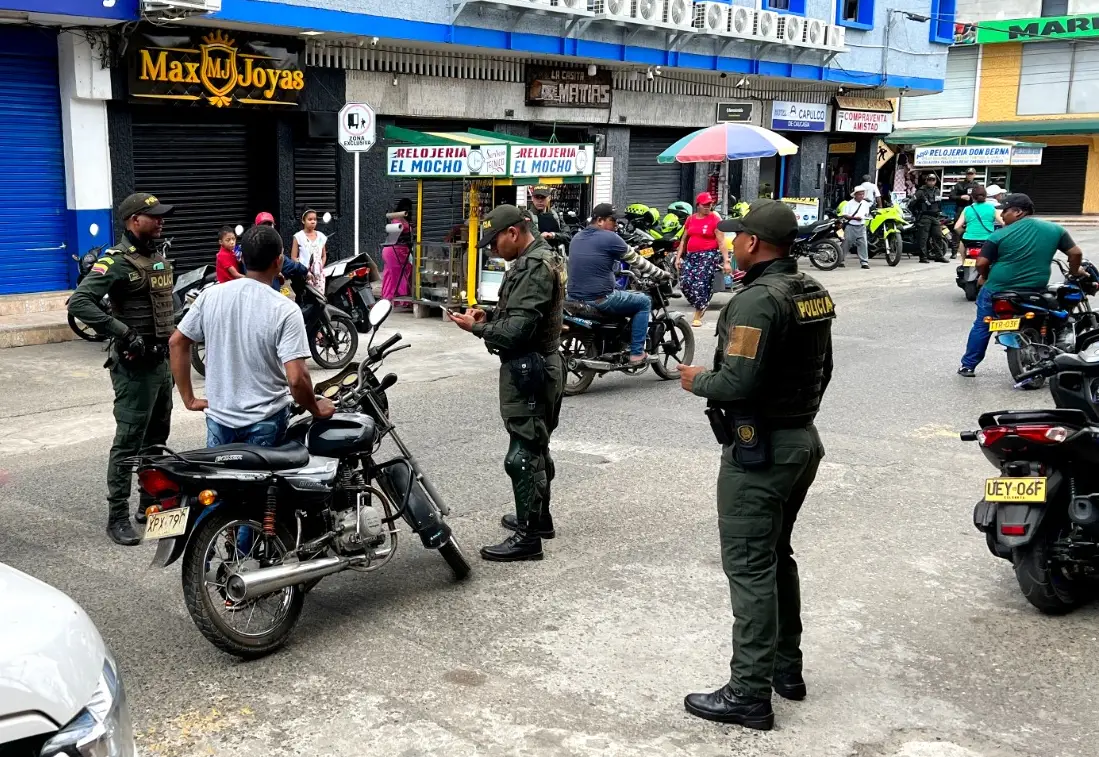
{"points": [[727, 142]]}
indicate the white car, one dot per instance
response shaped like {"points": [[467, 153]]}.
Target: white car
{"points": [[60, 690]]}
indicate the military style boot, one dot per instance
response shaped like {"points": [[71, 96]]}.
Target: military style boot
{"points": [[521, 545], [122, 533], [527, 471]]}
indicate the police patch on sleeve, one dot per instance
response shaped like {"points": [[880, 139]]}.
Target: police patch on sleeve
{"points": [[743, 342], [814, 306]]}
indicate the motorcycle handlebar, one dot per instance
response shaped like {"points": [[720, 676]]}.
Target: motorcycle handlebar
{"points": [[1044, 368], [376, 352]]}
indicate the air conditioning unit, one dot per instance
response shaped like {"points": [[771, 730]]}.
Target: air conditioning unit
{"points": [[835, 38], [816, 33], [176, 9], [617, 10], [679, 14], [648, 11], [711, 18], [572, 5], [766, 25], [742, 22], [791, 29]]}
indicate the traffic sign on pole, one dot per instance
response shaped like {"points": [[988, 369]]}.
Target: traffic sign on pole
{"points": [[356, 130]]}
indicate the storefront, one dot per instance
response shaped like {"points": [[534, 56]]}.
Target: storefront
{"points": [[35, 223], [218, 124], [806, 125], [859, 123], [654, 184]]}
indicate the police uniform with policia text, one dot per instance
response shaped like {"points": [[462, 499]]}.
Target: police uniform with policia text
{"points": [[139, 280], [771, 367]]}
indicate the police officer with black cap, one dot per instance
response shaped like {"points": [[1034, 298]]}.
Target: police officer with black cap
{"points": [[771, 368], [138, 279]]}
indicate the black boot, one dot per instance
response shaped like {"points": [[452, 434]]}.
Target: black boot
{"points": [[789, 684], [518, 546], [726, 706], [122, 533], [544, 529]]}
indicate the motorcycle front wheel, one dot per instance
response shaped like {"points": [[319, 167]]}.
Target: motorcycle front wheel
{"points": [[574, 348], [825, 254], [198, 358], [334, 347], [892, 244], [676, 348]]}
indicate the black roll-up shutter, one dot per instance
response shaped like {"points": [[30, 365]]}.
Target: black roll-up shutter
{"points": [[201, 169], [316, 188], [1056, 186], [443, 202], [649, 182]]}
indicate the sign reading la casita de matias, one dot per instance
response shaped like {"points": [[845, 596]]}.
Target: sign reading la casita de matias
{"points": [[1050, 28], [568, 87], [215, 68], [455, 161], [542, 161]]}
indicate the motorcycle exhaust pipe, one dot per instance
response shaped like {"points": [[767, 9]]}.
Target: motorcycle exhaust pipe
{"points": [[256, 583]]}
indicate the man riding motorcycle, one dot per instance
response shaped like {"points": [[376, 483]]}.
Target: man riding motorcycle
{"points": [[593, 259]]}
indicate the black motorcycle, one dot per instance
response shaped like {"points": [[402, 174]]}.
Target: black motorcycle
{"points": [[820, 242], [595, 344], [347, 287], [333, 338], [258, 527], [1042, 511], [85, 263], [967, 278]]}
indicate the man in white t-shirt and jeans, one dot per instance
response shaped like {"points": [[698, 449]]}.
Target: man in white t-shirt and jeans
{"points": [[873, 194], [256, 346], [855, 211]]}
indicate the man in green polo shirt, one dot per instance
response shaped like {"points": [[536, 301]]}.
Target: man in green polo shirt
{"points": [[1016, 257]]}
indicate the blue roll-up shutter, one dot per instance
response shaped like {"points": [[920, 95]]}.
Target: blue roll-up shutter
{"points": [[34, 256]]}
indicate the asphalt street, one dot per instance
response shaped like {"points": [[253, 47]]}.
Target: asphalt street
{"points": [[918, 642]]}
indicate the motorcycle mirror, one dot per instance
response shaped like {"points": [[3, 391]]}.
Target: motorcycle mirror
{"points": [[380, 311], [94, 229], [327, 217], [238, 230]]}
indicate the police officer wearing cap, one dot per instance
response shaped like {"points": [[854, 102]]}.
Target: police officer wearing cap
{"points": [[138, 279], [524, 330], [771, 368], [548, 221]]}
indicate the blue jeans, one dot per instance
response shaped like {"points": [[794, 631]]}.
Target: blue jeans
{"points": [[634, 304], [979, 335], [266, 433]]}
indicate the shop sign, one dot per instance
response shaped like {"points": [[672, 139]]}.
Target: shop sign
{"points": [[842, 148], [807, 209], [1026, 156], [1034, 29], [964, 155], [795, 116], [538, 161], [215, 69], [458, 161], [864, 121], [568, 88], [734, 112]]}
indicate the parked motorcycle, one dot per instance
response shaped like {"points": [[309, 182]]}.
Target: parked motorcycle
{"points": [[1042, 511], [883, 234], [1032, 325], [967, 275], [595, 344], [85, 263], [257, 527], [347, 287], [820, 242]]}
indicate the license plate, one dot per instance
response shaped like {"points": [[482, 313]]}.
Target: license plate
{"points": [[286, 291], [166, 524], [1015, 490], [1007, 324], [969, 263]]}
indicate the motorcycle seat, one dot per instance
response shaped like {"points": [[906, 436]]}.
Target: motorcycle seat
{"points": [[1042, 299], [583, 310], [251, 456]]}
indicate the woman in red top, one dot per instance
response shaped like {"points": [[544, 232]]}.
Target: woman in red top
{"points": [[699, 250], [226, 264]]}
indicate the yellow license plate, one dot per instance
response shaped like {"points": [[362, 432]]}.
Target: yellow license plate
{"points": [[969, 263], [166, 524], [1008, 324], [286, 291], [1015, 490], [645, 252]]}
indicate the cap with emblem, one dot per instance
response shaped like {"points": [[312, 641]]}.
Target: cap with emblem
{"points": [[970, 171], [603, 210], [770, 220], [142, 204], [501, 217], [1018, 201], [541, 191]]}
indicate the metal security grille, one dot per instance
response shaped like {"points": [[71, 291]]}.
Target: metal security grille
{"points": [[33, 252], [443, 204], [1056, 186], [316, 188], [650, 182], [201, 169]]}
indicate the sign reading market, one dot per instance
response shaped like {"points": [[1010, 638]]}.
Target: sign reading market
{"points": [[452, 161]]}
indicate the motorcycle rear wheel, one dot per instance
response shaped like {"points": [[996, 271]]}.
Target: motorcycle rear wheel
{"points": [[338, 354], [1023, 359], [1041, 582], [573, 348], [198, 358], [971, 289], [84, 331], [825, 255], [678, 348]]}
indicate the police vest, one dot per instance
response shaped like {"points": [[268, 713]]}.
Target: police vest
{"points": [[146, 303], [547, 334]]}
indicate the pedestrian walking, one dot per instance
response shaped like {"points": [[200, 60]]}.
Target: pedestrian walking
{"points": [[397, 257], [525, 332], [139, 280], [771, 368], [308, 248], [700, 249], [855, 211]]}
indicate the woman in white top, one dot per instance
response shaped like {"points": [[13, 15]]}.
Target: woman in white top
{"points": [[309, 249]]}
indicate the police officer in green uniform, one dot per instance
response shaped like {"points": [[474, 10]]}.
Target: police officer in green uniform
{"points": [[772, 365], [525, 331], [138, 279], [548, 221], [926, 206]]}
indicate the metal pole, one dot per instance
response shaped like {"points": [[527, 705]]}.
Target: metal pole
{"points": [[356, 251]]}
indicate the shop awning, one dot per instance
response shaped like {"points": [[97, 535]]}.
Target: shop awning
{"points": [[1037, 128], [925, 136]]}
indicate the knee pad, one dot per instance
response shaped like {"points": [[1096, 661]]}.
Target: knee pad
{"points": [[521, 461]]}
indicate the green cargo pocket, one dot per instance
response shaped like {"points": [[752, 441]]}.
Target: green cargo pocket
{"points": [[791, 456], [746, 542]]}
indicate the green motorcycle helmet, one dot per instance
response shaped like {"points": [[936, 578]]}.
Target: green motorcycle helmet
{"points": [[636, 210], [682, 210], [670, 224]]}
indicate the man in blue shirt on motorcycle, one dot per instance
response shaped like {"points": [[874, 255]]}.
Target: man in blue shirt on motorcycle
{"points": [[593, 261]]}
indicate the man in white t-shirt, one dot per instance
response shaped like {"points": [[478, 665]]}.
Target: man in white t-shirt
{"points": [[256, 346], [873, 194], [856, 211]]}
